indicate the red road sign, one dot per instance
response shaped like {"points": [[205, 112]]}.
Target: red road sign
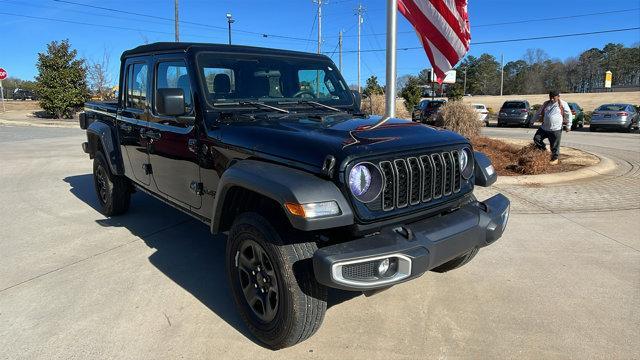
{"points": [[3, 74]]}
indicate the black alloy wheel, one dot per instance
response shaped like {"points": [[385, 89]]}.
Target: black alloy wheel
{"points": [[258, 280]]}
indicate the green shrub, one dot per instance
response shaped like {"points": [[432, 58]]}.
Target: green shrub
{"points": [[61, 81]]}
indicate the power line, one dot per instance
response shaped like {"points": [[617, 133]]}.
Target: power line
{"points": [[556, 18], [513, 40], [265, 35], [523, 21]]}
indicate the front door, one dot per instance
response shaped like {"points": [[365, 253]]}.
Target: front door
{"points": [[133, 118], [173, 146]]}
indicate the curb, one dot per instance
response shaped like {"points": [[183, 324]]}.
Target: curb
{"points": [[68, 124], [604, 166]]}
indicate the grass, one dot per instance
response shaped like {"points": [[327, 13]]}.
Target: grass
{"points": [[588, 101], [375, 105]]}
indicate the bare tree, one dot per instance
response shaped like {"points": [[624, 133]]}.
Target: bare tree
{"points": [[99, 77]]}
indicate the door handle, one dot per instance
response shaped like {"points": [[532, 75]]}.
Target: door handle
{"points": [[153, 134], [193, 145], [126, 127]]}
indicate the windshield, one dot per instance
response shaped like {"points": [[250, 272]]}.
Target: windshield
{"points": [[611, 107], [514, 105], [434, 104], [235, 78]]}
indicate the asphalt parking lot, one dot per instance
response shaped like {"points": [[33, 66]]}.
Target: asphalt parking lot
{"points": [[564, 281]]}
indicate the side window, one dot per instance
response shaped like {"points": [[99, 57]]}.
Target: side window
{"points": [[221, 82], [173, 75], [137, 80]]}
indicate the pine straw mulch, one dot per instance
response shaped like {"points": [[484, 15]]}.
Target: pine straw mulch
{"points": [[510, 159]]}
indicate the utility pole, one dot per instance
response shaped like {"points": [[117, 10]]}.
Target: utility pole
{"points": [[340, 47], [359, 12], [177, 20], [501, 73], [320, 3], [464, 87], [230, 21]]}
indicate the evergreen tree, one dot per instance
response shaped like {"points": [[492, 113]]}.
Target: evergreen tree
{"points": [[373, 87], [61, 80], [411, 93]]}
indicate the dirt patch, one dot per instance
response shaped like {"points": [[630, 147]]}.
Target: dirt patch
{"points": [[11, 105], [521, 157]]}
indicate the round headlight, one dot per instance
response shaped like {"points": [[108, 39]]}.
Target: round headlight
{"points": [[365, 182], [359, 180], [466, 163]]}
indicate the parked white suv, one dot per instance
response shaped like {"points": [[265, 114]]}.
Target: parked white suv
{"points": [[483, 112]]}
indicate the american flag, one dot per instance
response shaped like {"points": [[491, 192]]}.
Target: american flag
{"points": [[442, 27]]}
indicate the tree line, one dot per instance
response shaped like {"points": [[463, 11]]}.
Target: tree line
{"points": [[534, 73], [537, 73]]}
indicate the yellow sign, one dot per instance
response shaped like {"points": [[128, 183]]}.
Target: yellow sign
{"points": [[607, 79]]}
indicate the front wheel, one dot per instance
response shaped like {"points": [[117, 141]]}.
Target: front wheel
{"points": [[272, 281]]}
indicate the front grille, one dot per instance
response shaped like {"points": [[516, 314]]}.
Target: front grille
{"points": [[410, 181], [359, 271]]}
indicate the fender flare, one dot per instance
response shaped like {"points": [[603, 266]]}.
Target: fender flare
{"points": [[282, 184], [485, 174], [108, 144]]}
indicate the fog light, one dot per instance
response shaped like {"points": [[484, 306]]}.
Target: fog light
{"points": [[383, 266]]}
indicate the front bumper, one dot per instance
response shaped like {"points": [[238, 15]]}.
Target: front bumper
{"points": [[512, 120], [415, 248]]}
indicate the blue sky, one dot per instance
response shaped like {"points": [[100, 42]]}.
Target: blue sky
{"points": [[23, 38]]}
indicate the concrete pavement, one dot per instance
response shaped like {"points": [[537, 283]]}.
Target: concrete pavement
{"points": [[564, 282]]}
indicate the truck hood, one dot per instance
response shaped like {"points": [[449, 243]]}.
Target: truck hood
{"points": [[309, 140]]}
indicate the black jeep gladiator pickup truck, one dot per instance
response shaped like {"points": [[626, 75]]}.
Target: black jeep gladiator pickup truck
{"points": [[271, 147]]}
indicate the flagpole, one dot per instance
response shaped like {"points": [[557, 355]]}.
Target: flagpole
{"points": [[392, 19]]}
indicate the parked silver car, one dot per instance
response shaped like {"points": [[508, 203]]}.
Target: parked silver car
{"points": [[515, 112], [614, 116]]}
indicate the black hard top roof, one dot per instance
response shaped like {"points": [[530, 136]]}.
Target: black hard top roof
{"points": [[163, 47]]}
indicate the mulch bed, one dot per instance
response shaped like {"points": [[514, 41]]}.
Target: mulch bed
{"points": [[512, 160]]}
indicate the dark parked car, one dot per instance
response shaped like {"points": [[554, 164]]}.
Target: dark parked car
{"points": [[578, 116], [271, 147], [427, 114], [614, 116], [515, 113], [22, 94]]}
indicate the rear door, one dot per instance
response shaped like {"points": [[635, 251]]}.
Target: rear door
{"points": [[173, 145], [133, 118]]}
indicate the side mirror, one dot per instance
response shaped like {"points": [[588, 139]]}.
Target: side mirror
{"points": [[170, 102], [357, 97]]}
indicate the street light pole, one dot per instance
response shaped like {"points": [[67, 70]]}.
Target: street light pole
{"points": [[177, 21], [230, 21], [501, 73]]}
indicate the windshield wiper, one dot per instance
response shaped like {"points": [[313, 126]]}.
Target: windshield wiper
{"points": [[262, 105], [318, 105]]}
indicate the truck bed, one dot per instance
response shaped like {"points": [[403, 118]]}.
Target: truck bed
{"points": [[102, 106]]}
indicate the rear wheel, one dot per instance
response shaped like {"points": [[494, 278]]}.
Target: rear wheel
{"points": [[457, 262], [272, 282], [593, 128], [114, 192]]}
